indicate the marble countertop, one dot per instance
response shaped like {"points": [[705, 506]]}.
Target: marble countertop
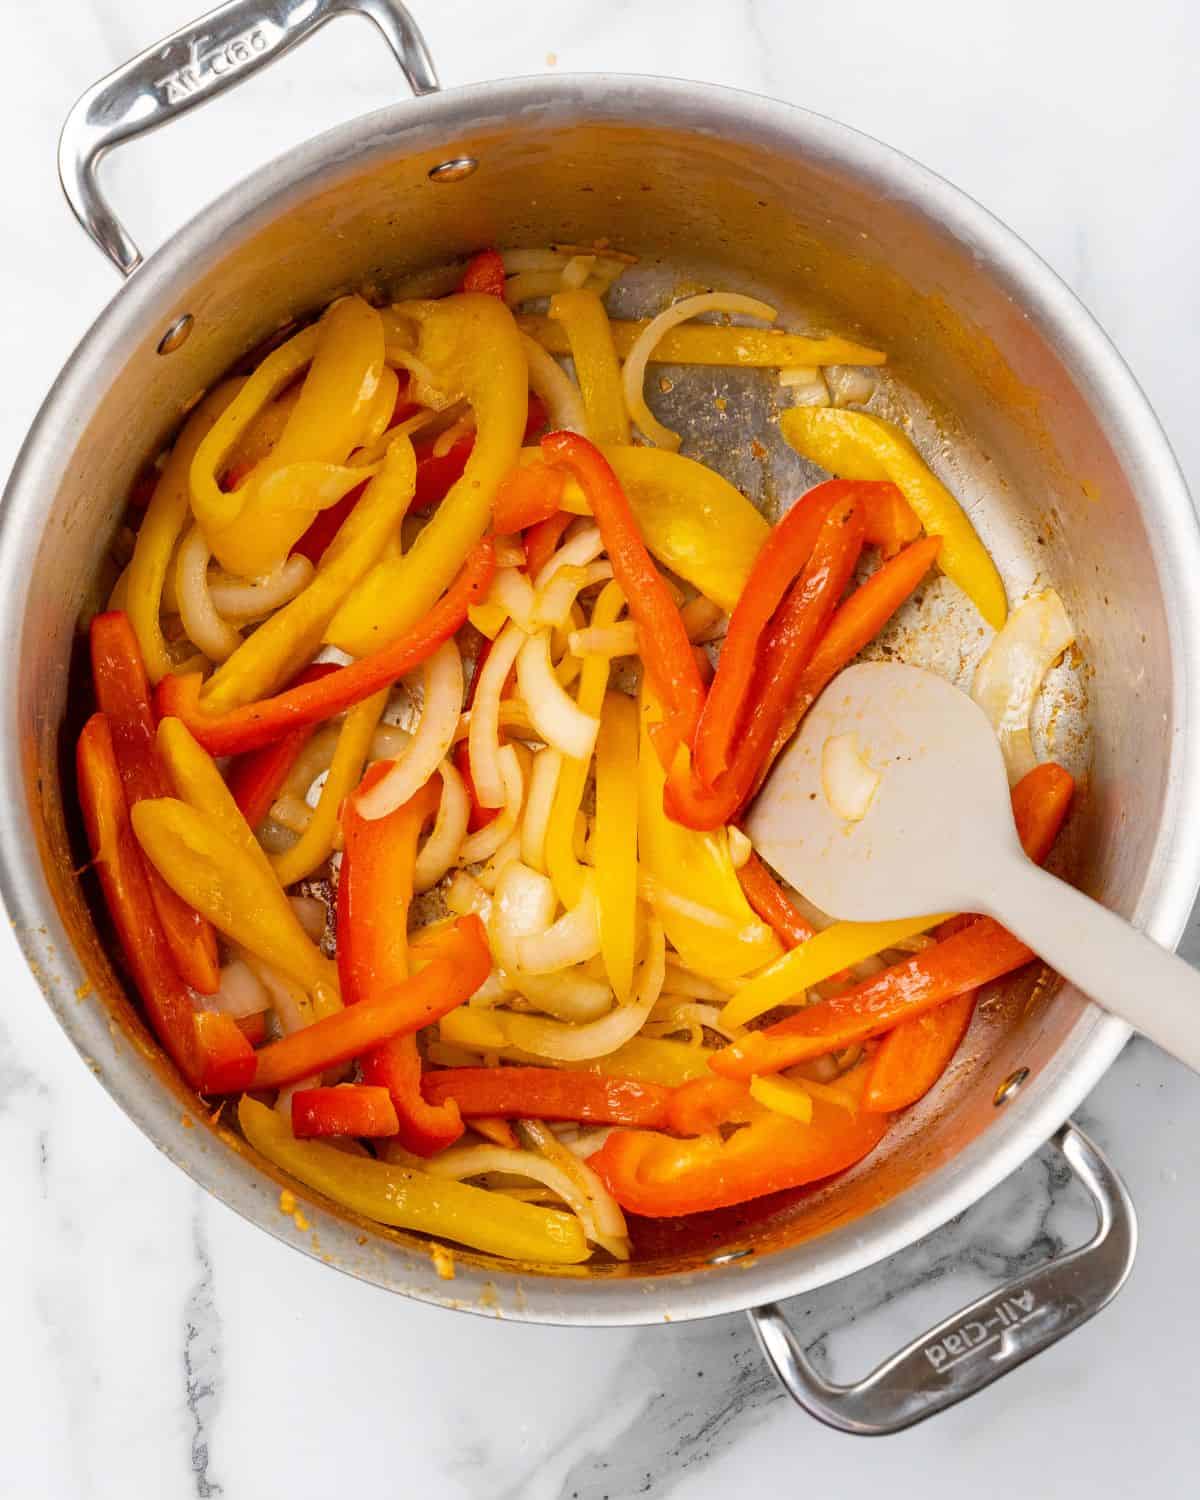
{"points": [[157, 1345]]}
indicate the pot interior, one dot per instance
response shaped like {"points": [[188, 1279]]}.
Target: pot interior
{"points": [[709, 190]]}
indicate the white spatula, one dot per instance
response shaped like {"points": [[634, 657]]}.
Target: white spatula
{"points": [[938, 836]]}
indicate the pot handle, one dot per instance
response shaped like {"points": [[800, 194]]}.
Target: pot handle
{"points": [[979, 1343], [194, 64]]}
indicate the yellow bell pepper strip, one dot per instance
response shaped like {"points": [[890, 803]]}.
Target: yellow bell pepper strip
{"points": [[292, 636], [783, 1096], [823, 955], [699, 867], [652, 1174], [564, 869], [222, 879], [712, 344], [315, 844], [614, 845], [160, 530], [471, 344], [856, 446], [407, 1199], [252, 529], [267, 720], [584, 321]]}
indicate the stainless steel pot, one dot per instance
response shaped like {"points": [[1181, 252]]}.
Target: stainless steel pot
{"points": [[1012, 386]]}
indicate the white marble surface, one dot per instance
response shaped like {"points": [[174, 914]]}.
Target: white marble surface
{"points": [[157, 1346]]}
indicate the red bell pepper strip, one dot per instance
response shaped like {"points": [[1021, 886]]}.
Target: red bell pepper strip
{"points": [[541, 541], [655, 1175], [459, 963], [421, 1127], [766, 898], [227, 1055], [263, 722], [854, 625], [326, 524], [549, 1094], [911, 1059], [889, 520], [123, 693], [254, 1028], [349, 1109], [701, 1104], [527, 496], [255, 779], [436, 472], [971, 958], [790, 642], [666, 650], [485, 273]]}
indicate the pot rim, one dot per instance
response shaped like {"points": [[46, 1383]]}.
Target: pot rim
{"points": [[148, 299]]}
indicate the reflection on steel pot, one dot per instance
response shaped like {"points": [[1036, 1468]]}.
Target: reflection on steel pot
{"points": [[1010, 387]]}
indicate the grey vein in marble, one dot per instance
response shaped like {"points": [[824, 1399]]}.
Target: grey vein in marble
{"points": [[202, 1357]]}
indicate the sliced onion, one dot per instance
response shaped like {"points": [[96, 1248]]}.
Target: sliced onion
{"points": [[204, 626], [598, 1211], [389, 741], [848, 780], [533, 260], [240, 991], [569, 995], [440, 850], [510, 551], [509, 850], [681, 981], [555, 716], [633, 376], [543, 783], [513, 592], [443, 700], [313, 761], [555, 602], [577, 270], [464, 894], [573, 939], [1010, 675], [806, 384], [560, 395], [850, 385], [620, 639], [740, 847], [242, 602], [484, 843], [483, 737], [312, 913], [292, 813], [582, 547], [703, 619], [524, 904], [663, 898], [495, 988]]}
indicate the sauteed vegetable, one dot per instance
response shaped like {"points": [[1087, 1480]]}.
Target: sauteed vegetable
{"points": [[426, 710]]}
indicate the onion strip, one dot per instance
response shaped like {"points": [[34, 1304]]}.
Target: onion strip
{"points": [[1012, 669], [240, 602], [483, 736], [598, 1211], [559, 393], [543, 783], [487, 841], [554, 714], [441, 849], [573, 939], [443, 680], [205, 627]]}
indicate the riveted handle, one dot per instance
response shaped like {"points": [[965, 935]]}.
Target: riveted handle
{"points": [[192, 65], [979, 1343]]}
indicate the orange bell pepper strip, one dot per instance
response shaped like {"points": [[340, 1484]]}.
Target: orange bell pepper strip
{"points": [[701, 1104], [854, 625], [530, 494], [971, 958], [911, 1059], [255, 724], [349, 1109], [484, 273], [459, 963], [796, 628], [549, 1094], [766, 897], [255, 779], [889, 520], [666, 650], [208, 1049], [660, 1177], [541, 541], [123, 693], [375, 892]]}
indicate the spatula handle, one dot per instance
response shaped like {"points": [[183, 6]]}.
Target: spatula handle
{"points": [[1100, 953]]}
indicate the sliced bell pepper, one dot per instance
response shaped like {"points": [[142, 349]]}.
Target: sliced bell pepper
{"points": [[548, 1094], [699, 867], [702, 1104], [769, 902], [666, 650], [253, 724], [254, 1028], [530, 494], [660, 1177], [784, 1096], [227, 1058], [421, 1127], [160, 530], [541, 541], [459, 963], [348, 1109], [252, 529], [485, 273], [290, 638], [712, 344], [614, 848], [472, 345], [589, 337], [416, 1201], [855, 624], [790, 642], [123, 693], [910, 1059], [438, 472], [326, 524], [856, 446], [256, 778], [889, 521]]}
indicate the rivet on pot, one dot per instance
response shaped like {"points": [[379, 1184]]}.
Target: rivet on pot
{"points": [[454, 170], [1009, 1088], [177, 335], [727, 1256]]}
